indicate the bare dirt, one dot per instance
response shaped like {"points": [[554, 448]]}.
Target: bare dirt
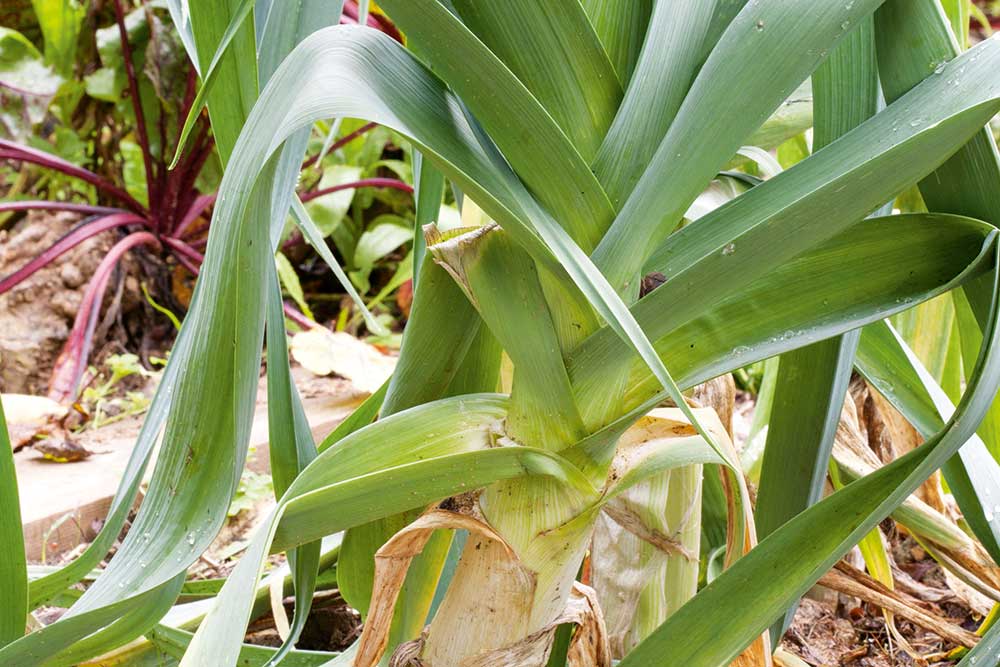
{"points": [[36, 316], [838, 631]]}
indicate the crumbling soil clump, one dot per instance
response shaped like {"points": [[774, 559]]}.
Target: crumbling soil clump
{"points": [[36, 316]]}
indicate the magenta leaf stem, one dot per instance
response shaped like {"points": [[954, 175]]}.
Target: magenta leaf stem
{"points": [[393, 183], [72, 361], [73, 238]]}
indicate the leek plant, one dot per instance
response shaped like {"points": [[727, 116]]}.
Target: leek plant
{"points": [[579, 133]]}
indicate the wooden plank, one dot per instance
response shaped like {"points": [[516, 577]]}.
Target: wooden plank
{"points": [[63, 504]]}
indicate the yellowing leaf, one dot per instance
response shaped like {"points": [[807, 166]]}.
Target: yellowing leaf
{"points": [[324, 352]]}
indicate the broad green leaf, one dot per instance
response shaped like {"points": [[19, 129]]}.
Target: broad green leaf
{"points": [[967, 338], [13, 568], [292, 445], [538, 150], [480, 369], [277, 38], [621, 26], [54, 644], [384, 234], [553, 50], [809, 394], [290, 448], [203, 444], [778, 219], [725, 12], [205, 440], [927, 329], [290, 281], [283, 29], [502, 282], [957, 12], [405, 97], [46, 587], [329, 210], [274, 43], [432, 352], [180, 15], [861, 276], [730, 98], [233, 95], [845, 86], [428, 185], [60, 22], [209, 77], [812, 381], [290, 437], [409, 485], [121, 631], [22, 67], [965, 183], [663, 75], [791, 119], [810, 390]]}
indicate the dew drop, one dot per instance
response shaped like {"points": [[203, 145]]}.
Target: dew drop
{"points": [[728, 249], [939, 68], [845, 25], [760, 25], [190, 539]]}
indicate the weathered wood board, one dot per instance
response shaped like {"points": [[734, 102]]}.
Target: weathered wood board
{"points": [[63, 504]]}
